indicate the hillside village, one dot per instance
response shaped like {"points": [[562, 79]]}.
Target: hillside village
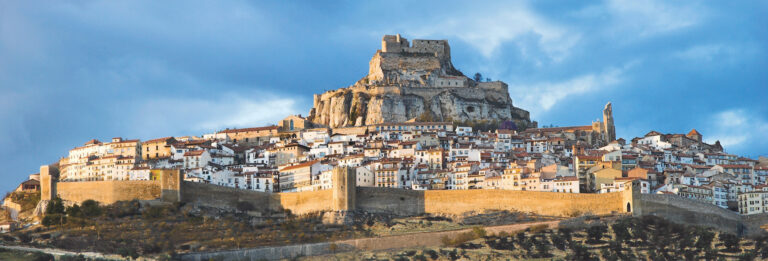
{"points": [[295, 156], [299, 153]]}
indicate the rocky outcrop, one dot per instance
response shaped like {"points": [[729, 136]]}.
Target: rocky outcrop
{"points": [[419, 81]]}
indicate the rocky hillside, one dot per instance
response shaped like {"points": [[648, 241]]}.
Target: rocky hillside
{"points": [[416, 81]]}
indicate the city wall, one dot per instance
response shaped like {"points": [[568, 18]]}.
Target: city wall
{"points": [[457, 202], [691, 212], [402, 202], [224, 197], [108, 192]]}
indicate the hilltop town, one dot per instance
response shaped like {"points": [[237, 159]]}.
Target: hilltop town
{"points": [[388, 150], [414, 124]]}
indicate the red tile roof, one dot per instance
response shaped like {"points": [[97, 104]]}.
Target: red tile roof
{"points": [[250, 129]]}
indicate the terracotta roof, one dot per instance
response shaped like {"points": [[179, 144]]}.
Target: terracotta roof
{"points": [[693, 132], [250, 129], [194, 153], [727, 166], [158, 140], [301, 165], [558, 129], [413, 123]]}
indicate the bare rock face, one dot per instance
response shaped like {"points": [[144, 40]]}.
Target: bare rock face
{"points": [[407, 81]]}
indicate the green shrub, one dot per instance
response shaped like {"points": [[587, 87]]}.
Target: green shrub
{"points": [[460, 238], [153, 212], [55, 206], [595, 233], [479, 232], [123, 209], [74, 211], [731, 242], [538, 228], [127, 252], [39, 256], [91, 208], [704, 241], [245, 206], [54, 220]]}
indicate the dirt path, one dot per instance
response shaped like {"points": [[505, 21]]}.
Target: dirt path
{"points": [[59, 252], [423, 239], [429, 238]]}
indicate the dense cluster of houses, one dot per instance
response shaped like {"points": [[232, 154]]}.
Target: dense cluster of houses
{"points": [[297, 156]]}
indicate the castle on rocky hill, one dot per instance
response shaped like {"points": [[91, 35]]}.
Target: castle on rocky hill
{"points": [[415, 80]]}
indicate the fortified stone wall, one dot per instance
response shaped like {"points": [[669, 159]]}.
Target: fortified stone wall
{"points": [[685, 211], [12, 207], [224, 197], [498, 86], [456, 202], [390, 200], [306, 202], [108, 192]]}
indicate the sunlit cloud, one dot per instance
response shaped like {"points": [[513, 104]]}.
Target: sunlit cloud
{"points": [[487, 30], [719, 53], [210, 114], [736, 128], [651, 17], [540, 97]]}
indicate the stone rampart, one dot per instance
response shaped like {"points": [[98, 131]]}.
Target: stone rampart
{"points": [[12, 207], [224, 197], [690, 212], [108, 192], [456, 202], [306, 202]]}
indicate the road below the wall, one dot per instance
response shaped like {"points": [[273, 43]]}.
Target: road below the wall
{"points": [[425, 239]]}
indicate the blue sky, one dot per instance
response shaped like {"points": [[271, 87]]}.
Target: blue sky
{"points": [[76, 70]]}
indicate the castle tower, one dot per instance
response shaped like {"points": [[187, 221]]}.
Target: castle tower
{"points": [[47, 182], [694, 135], [394, 43], [344, 186], [610, 129]]}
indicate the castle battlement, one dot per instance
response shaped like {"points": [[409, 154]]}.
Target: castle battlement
{"points": [[399, 44]]}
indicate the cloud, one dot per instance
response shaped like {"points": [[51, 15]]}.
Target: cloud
{"points": [[542, 96], [651, 17], [14, 134], [737, 129], [178, 116], [488, 30], [722, 53]]}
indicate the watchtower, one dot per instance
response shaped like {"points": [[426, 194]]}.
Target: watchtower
{"points": [[344, 186], [48, 175], [394, 43], [170, 183]]}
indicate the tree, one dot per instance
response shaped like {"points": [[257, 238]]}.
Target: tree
{"points": [[542, 249], [245, 206], [55, 206], [425, 116], [74, 211], [705, 240], [595, 233], [487, 79], [90, 208], [478, 77], [580, 252], [622, 232], [730, 241]]}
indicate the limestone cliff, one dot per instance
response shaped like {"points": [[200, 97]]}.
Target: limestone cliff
{"points": [[409, 81]]}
